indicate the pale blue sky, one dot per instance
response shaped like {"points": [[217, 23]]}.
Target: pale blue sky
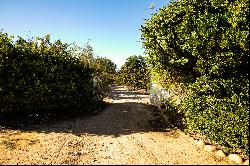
{"points": [[112, 25]]}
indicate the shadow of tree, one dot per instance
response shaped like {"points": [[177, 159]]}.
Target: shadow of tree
{"points": [[116, 119], [166, 118]]}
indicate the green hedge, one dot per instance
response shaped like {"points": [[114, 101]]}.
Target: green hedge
{"points": [[39, 77], [204, 47], [104, 76]]}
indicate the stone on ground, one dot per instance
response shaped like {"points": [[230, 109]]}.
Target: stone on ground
{"points": [[200, 144], [196, 141], [246, 162], [220, 154], [235, 158], [210, 148]]}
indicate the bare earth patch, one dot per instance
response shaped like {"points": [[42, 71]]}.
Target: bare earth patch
{"points": [[119, 134]]}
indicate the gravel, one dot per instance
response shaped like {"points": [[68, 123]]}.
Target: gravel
{"points": [[119, 134]]}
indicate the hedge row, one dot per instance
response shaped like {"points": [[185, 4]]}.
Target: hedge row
{"points": [[40, 77], [203, 47], [105, 71]]}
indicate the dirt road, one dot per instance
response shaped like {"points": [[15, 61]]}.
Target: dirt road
{"points": [[119, 134]]}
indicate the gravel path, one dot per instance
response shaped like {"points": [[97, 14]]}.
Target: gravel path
{"points": [[119, 134]]}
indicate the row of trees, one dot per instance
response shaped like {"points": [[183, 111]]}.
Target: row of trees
{"points": [[200, 50], [40, 78]]}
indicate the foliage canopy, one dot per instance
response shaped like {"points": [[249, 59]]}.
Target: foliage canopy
{"points": [[203, 47], [44, 78], [104, 76], [134, 73]]}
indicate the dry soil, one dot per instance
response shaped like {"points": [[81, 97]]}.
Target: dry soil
{"points": [[119, 134]]}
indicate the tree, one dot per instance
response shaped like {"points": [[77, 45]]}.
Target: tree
{"points": [[104, 75], [87, 55], [203, 46], [134, 73], [43, 78]]}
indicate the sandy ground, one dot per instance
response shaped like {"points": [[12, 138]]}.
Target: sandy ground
{"points": [[119, 134]]}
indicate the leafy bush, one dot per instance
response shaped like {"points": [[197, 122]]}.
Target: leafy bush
{"points": [[103, 70], [134, 73], [203, 47], [104, 76], [40, 77]]}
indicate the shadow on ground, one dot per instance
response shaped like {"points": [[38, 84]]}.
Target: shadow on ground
{"points": [[116, 119]]}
